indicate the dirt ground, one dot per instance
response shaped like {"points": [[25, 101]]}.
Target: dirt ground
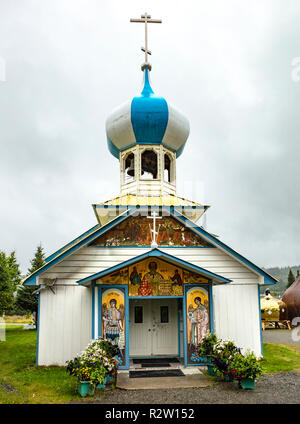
{"points": [[270, 389], [280, 388]]}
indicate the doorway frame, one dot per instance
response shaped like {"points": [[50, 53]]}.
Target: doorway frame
{"points": [[178, 325]]}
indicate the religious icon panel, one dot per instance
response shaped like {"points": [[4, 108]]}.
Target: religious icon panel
{"points": [[113, 320], [136, 231], [197, 320], [153, 277]]}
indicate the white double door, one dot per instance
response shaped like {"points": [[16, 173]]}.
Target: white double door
{"points": [[153, 327]]}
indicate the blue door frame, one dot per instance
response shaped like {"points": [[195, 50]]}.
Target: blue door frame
{"points": [[102, 288]]}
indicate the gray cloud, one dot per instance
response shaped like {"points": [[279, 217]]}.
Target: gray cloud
{"points": [[226, 65]]}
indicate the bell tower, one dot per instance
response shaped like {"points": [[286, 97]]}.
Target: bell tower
{"points": [[147, 134]]}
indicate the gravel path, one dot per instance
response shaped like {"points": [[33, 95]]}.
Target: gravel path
{"points": [[270, 389]]}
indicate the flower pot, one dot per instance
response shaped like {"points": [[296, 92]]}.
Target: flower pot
{"points": [[247, 383], [227, 378], [85, 388], [210, 370], [208, 359], [107, 380]]}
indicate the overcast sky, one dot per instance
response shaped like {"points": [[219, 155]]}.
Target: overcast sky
{"points": [[230, 66]]}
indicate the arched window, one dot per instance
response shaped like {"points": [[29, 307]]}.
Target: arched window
{"points": [[167, 168], [129, 168], [149, 165]]}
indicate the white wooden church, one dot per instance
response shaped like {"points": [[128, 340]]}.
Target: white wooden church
{"points": [[146, 276]]}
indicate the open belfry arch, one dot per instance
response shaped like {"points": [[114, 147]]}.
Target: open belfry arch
{"points": [[146, 275]]}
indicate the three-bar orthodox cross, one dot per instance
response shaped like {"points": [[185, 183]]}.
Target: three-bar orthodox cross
{"points": [[154, 216], [146, 19]]}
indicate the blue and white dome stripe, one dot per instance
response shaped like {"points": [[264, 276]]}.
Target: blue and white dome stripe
{"points": [[146, 119]]}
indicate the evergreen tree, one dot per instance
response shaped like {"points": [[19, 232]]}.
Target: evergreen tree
{"points": [[38, 260], [26, 299], [14, 269], [291, 278], [7, 287], [298, 273]]}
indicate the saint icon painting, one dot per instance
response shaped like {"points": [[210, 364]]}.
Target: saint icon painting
{"points": [[113, 320], [198, 323]]}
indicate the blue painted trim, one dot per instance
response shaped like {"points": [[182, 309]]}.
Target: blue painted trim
{"points": [[127, 328], [31, 281], [102, 289], [155, 297], [259, 311], [100, 311], [160, 246], [193, 227], [93, 310], [184, 328], [38, 332], [178, 323], [156, 253], [153, 356], [211, 308], [57, 252], [81, 243]]}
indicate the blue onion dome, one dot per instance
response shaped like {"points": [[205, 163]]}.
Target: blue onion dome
{"points": [[146, 119]]}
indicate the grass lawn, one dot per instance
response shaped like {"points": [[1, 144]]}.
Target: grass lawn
{"points": [[278, 357], [22, 382]]}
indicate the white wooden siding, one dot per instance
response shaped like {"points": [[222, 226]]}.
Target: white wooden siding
{"points": [[64, 323], [236, 315], [90, 260]]}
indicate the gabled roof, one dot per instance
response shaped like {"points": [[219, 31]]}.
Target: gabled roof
{"points": [[76, 244], [156, 253], [188, 208], [173, 211]]}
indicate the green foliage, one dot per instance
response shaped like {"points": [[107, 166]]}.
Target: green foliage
{"points": [[98, 375], [14, 269], [223, 353], [9, 275], [244, 366], [207, 344], [281, 273], [38, 261], [95, 362], [291, 278], [26, 299]]}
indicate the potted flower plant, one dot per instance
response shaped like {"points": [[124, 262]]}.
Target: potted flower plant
{"points": [[206, 349], [246, 369], [104, 353], [95, 367], [78, 368], [223, 353]]}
